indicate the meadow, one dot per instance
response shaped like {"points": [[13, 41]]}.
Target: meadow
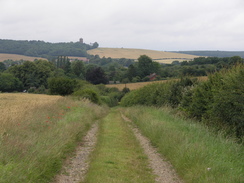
{"points": [[159, 56], [37, 132]]}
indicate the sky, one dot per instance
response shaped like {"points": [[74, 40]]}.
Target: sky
{"points": [[165, 25]]}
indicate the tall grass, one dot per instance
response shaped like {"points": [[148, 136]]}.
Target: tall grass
{"points": [[38, 132], [197, 154]]}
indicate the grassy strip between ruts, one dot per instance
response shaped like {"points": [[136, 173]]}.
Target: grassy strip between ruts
{"points": [[197, 154], [118, 156]]}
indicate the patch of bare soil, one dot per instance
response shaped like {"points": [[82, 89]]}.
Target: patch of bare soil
{"points": [[161, 168], [76, 167]]}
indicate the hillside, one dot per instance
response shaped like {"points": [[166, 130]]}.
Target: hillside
{"points": [[214, 53], [14, 57], [159, 56], [44, 49]]}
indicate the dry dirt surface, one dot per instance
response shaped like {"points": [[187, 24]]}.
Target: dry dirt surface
{"points": [[76, 167], [161, 168]]}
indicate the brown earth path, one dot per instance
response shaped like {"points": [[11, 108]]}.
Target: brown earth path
{"points": [[161, 168], [76, 167]]}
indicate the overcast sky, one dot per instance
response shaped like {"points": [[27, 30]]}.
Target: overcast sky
{"points": [[167, 25]]}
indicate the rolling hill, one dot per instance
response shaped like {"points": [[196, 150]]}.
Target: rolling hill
{"points": [[159, 56]]}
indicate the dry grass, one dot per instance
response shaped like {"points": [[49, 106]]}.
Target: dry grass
{"points": [[134, 86], [15, 108], [38, 131], [159, 56], [77, 58], [15, 57]]}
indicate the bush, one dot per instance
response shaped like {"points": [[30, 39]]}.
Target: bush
{"points": [[61, 86], [89, 94]]}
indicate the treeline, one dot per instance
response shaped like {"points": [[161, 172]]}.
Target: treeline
{"points": [[59, 77], [214, 53], [201, 66], [102, 70], [217, 102], [45, 49]]}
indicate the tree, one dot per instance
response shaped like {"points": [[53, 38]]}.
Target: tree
{"points": [[132, 72], [78, 68], [2, 67], [145, 66], [32, 74], [96, 75], [95, 45], [8, 83]]}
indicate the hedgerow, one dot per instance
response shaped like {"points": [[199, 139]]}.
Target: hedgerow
{"points": [[217, 102]]}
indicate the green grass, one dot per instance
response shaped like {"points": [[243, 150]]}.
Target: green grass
{"points": [[197, 154], [118, 156], [34, 151]]}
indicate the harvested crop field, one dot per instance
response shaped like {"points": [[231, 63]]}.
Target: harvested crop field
{"points": [[159, 56], [4, 56], [134, 86]]}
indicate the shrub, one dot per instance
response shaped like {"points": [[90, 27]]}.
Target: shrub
{"points": [[61, 86], [89, 94]]}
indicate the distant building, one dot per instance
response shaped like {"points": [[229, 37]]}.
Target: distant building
{"points": [[152, 76], [81, 40]]}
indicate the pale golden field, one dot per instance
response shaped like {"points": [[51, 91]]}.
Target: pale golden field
{"points": [[15, 57], [16, 107], [78, 58], [134, 86], [159, 56]]}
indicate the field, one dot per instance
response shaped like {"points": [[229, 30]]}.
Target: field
{"points": [[38, 131], [159, 56], [15, 57], [16, 108], [134, 86]]}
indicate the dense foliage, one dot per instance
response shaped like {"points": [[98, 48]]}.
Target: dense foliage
{"points": [[44, 49], [217, 101], [61, 86], [9, 83]]}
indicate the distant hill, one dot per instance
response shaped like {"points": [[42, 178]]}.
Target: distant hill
{"points": [[159, 56], [45, 49], [214, 53]]}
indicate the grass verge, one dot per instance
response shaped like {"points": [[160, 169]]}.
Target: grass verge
{"points": [[34, 143], [197, 154], [118, 156]]}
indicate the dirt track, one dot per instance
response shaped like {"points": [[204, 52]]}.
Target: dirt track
{"points": [[76, 167]]}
